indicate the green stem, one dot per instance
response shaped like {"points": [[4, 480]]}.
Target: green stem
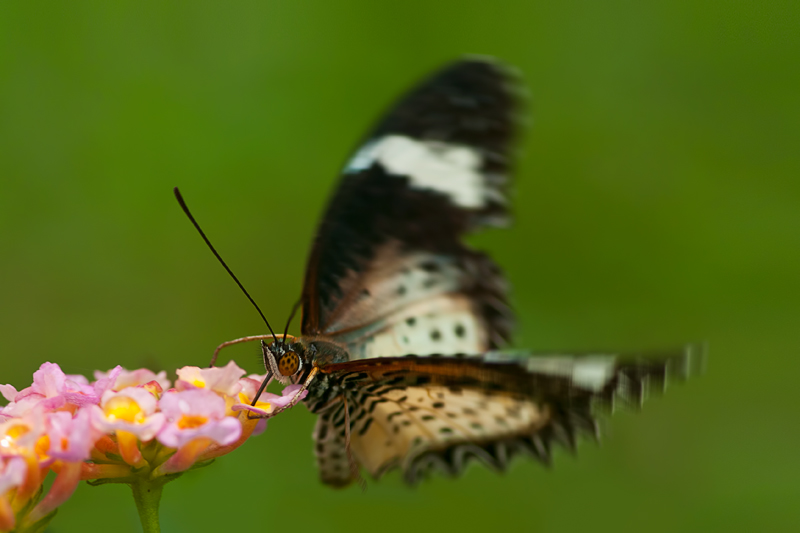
{"points": [[147, 494]]}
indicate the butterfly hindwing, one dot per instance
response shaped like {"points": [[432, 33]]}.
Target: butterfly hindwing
{"points": [[423, 413], [423, 421], [389, 248]]}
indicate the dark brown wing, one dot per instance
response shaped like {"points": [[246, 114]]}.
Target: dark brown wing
{"points": [[423, 413], [388, 251]]}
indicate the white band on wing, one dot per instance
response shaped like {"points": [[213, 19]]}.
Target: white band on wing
{"points": [[429, 165]]}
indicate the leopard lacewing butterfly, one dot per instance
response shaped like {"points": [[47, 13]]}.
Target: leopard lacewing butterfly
{"points": [[403, 323]]}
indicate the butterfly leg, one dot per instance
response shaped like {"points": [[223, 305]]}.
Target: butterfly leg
{"points": [[353, 465], [294, 401], [297, 396]]}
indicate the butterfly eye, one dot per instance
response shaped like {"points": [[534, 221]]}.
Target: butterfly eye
{"points": [[289, 364]]}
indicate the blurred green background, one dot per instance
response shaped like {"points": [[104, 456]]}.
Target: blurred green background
{"points": [[657, 202]]}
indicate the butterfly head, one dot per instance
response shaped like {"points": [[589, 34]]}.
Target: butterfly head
{"points": [[285, 360], [289, 364]]}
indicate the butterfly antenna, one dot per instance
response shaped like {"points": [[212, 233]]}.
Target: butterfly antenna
{"points": [[214, 251], [291, 316]]}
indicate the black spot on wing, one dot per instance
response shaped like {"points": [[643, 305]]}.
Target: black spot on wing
{"points": [[366, 426], [430, 266]]}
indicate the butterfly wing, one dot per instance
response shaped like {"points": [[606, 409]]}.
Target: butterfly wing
{"points": [[388, 273], [427, 413]]}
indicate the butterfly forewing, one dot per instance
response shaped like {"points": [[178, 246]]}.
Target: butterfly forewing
{"points": [[388, 272]]}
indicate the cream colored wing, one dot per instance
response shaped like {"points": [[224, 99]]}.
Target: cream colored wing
{"points": [[422, 303], [446, 426], [436, 413]]}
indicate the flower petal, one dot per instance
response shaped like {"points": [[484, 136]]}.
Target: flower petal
{"points": [[8, 392], [63, 486], [13, 474], [224, 380]]}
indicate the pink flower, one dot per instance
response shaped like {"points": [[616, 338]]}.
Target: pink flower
{"points": [[120, 428], [8, 392], [131, 416], [249, 388], [12, 475], [24, 439], [267, 402], [52, 389], [132, 410], [224, 380], [196, 413], [134, 378], [71, 438], [106, 382], [50, 383], [23, 435]]}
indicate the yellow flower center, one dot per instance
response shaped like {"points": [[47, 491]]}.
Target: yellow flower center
{"points": [[265, 406], [42, 446], [125, 409], [191, 421], [200, 384], [12, 434]]}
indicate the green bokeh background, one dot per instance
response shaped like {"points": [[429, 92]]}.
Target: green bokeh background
{"points": [[657, 202]]}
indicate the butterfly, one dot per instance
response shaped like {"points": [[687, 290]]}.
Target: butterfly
{"points": [[403, 323]]}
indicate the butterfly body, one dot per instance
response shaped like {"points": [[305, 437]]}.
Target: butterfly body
{"points": [[403, 323]]}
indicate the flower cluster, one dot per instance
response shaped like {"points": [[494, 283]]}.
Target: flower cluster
{"points": [[125, 426]]}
